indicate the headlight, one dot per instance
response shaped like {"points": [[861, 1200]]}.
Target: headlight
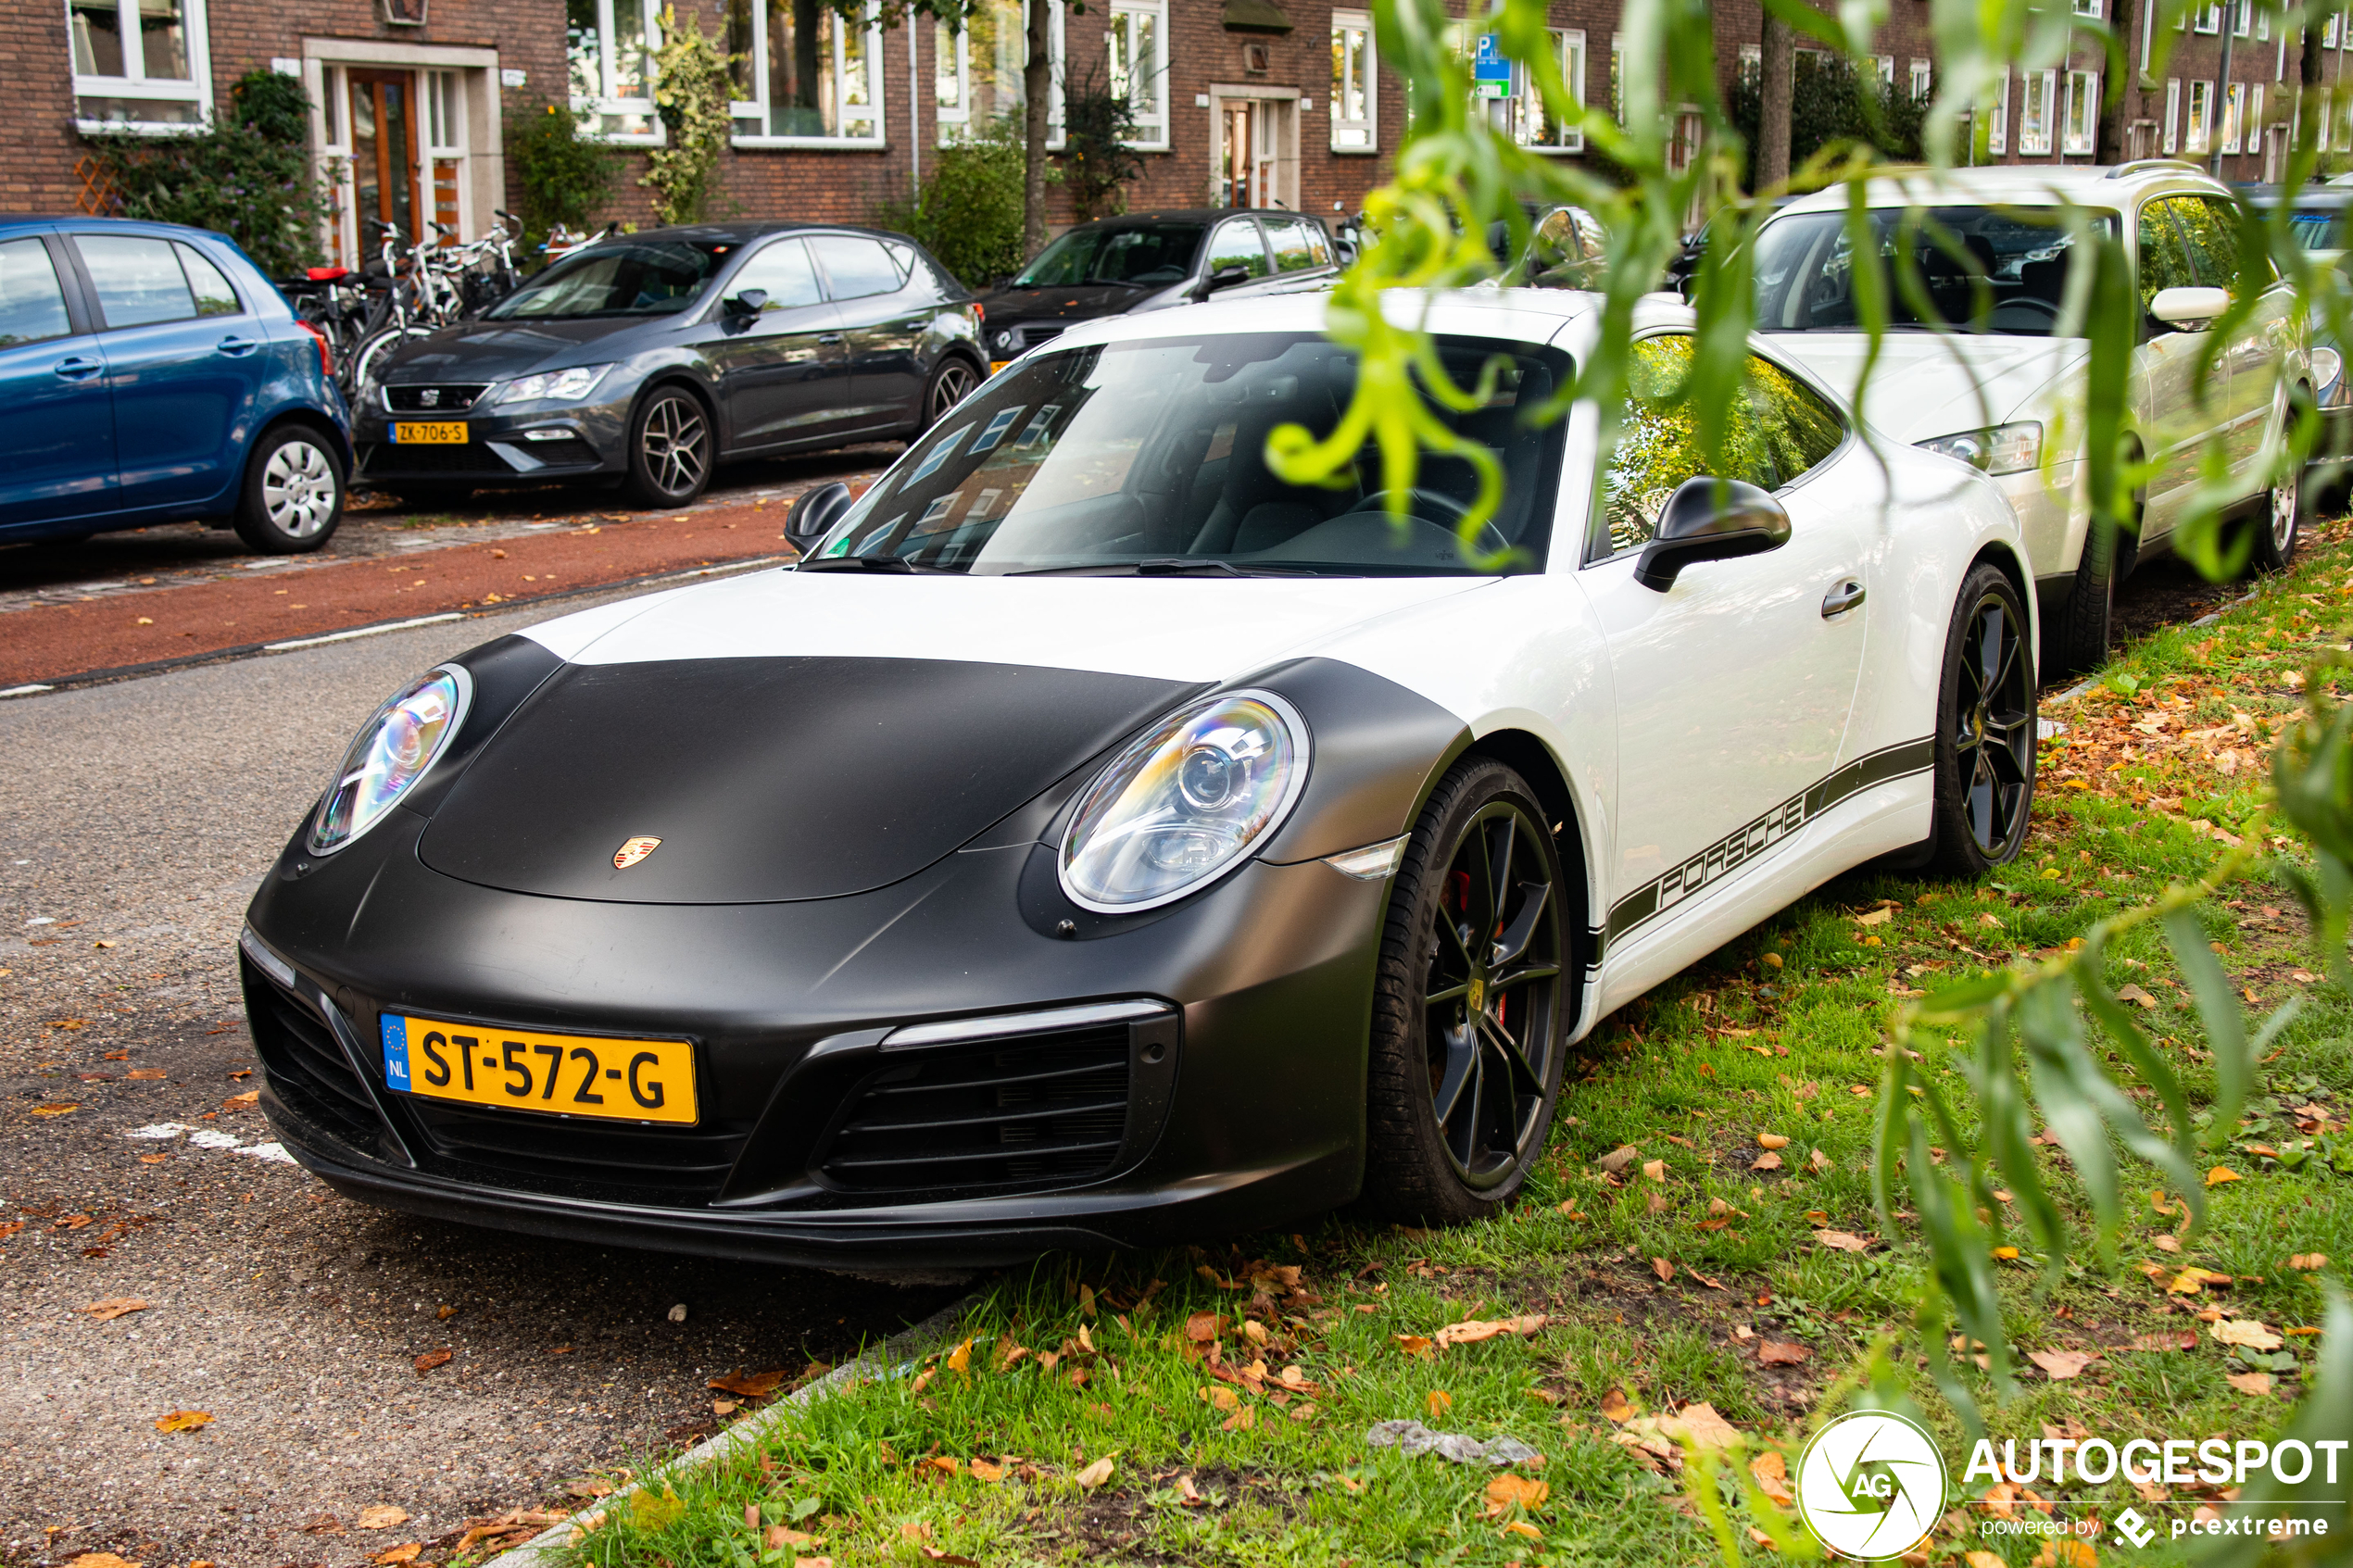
{"points": [[2328, 377], [1186, 802], [555, 386], [392, 751], [2011, 448]]}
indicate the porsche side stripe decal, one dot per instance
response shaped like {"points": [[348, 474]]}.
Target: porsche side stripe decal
{"points": [[1775, 827]]}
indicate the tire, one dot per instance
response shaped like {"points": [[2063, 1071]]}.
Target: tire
{"points": [[950, 384], [1467, 1056], [2077, 633], [2279, 527], [669, 448], [1985, 740], [368, 363], [292, 499]]}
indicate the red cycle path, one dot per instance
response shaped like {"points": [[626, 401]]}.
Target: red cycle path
{"points": [[124, 631]]}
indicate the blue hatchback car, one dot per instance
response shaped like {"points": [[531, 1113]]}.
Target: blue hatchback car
{"points": [[149, 373]]}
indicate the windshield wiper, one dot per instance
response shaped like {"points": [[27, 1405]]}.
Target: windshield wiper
{"points": [[867, 564], [1166, 566]]}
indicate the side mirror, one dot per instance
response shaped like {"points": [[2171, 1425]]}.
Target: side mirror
{"points": [[1344, 252], [1224, 277], [1710, 520], [751, 302], [2189, 309], [817, 510]]}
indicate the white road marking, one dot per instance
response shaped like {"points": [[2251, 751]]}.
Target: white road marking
{"points": [[363, 632], [213, 1137]]}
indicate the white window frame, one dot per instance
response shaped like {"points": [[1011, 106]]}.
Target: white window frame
{"points": [[2035, 112], [2083, 92], [1569, 42], [135, 83], [602, 105], [1998, 118], [1617, 77], [2329, 32], [956, 124], [2173, 143], [1886, 70], [2243, 20], [2093, 8], [1151, 123], [758, 108], [1921, 79], [2209, 18], [2197, 120], [1368, 60], [2233, 117]]}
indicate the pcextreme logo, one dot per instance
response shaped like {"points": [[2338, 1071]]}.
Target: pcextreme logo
{"points": [[1870, 1485]]}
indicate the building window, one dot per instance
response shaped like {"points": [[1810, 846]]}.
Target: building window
{"points": [[2328, 33], [2035, 113], [2233, 114], [1533, 123], [1617, 78], [1139, 43], [2201, 117], [1886, 70], [1355, 102], [1994, 112], [2080, 132], [2173, 143], [802, 75], [140, 64], [611, 45], [444, 141], [2254, 118], [2243, 19], [1923, 80], [978, 70], [2209, 18], [2091, 7]]}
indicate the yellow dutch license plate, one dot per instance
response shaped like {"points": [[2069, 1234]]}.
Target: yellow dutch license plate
{"points": [[429, 432], [619, 1080]]}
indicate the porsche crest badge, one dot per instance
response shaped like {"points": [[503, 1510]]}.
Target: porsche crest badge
{"points": [[634, 851]]}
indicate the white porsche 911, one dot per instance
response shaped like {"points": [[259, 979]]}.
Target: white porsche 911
{"points": [[1098, 841]]}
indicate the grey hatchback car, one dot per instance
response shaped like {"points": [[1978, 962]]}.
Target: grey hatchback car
{"points": [[646, 359]]}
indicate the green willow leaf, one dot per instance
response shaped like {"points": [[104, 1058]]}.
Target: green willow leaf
{"points": [[2218, 1010]]}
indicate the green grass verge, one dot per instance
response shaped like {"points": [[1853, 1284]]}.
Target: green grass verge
{"points": [[1659, 1286]]}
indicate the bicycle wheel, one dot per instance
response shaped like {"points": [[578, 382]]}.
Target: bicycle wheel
{"points": [[369, 363]]}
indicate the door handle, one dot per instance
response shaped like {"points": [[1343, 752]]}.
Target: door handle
{"points": [[1843, 598], [236, 347], [830, 337], [77, 366]]}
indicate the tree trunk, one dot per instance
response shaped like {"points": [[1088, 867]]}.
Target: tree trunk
{"points": [[1777, 72], [2109, 147], [1037, 82]]}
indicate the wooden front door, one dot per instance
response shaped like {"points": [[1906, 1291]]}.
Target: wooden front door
{"points": [[384, 154]]}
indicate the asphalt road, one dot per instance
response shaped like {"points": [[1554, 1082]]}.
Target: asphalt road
{"points": [[135, 820]]}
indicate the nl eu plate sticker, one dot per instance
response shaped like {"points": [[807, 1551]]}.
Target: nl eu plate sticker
{"points": [[396, 1034]]}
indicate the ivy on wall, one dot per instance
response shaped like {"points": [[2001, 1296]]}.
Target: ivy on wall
{"points": [[693, 90]]}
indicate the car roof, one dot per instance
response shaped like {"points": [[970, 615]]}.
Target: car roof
{"points": [[84, 220], [2309, 197], [740, 233], [1192, 215], [2022, 185]]}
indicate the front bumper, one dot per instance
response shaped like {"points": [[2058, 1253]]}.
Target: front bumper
{"points": [[521, 444], [1240, 1084]]}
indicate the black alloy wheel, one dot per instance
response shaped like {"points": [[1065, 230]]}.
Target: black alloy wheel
{"points": [[1467, 1023], [1986, 735], [950, 384], [669, 450]]}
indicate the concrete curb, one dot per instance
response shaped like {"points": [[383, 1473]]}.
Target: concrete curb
{"points": [[909, 1344]]}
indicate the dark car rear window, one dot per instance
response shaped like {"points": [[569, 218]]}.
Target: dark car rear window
{"points": [[620, 278], [1152, 254]]}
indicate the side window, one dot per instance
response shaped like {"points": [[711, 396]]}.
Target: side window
{"points": [[33, 307], [213, 295], [1319, 247], [1235, 244], [855, 267], [1289, 237], [2165, 260], [1779, 429], [2212, 227], [785, 271], [138, 280], [1557, 254]]}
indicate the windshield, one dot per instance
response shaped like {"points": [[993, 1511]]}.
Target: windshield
{"points": [[1147, 255], [2316, 230], [1151, 457], [1805, 267], [619, 278]]}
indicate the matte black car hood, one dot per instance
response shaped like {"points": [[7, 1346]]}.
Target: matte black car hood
{"points": [[768, 779], [483, 351], [1084, 302]]}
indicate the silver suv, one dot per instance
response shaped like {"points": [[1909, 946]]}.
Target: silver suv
{"points": [[2005, 392]]}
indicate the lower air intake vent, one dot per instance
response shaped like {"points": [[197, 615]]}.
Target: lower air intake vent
{"points": [[305, 1068], [1044, 1108]]}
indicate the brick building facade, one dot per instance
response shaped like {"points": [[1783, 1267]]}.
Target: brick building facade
{"points": [[1266, 101]]}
